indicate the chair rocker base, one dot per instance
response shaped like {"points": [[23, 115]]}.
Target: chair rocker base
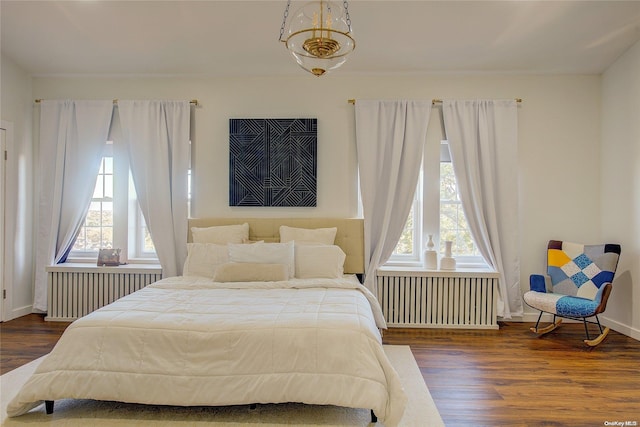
{"points": [[594, 342], [546, 329], [557, 320]]}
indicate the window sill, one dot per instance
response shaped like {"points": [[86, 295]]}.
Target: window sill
{"points": [[93, 268], [393, 270]]}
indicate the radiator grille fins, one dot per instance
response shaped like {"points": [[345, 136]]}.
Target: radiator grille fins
{"points": [[438, 302], [75, 294]]}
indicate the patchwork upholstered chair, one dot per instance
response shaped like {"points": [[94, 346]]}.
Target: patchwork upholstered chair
{"points": [[581, 277]]}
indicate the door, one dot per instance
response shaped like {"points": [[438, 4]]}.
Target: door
{"points": [[3, 159]]}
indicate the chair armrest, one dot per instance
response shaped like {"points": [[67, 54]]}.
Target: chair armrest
{"points": [[537, 283], [602, 297]]}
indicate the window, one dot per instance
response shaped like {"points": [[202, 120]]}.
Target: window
{"points": [[446, 222], [114, 218], [453, 222]]}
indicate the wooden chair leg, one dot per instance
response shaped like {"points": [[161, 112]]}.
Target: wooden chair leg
{"points": [[48, 406]]}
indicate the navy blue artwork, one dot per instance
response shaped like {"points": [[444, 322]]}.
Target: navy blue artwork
{"points": [[273, 162]]}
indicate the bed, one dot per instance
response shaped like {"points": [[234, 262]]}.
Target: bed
{"points": [[253, 321]]}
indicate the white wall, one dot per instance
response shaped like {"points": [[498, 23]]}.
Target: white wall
{"points": [[559, 138], [620, 198], [17, 108]]}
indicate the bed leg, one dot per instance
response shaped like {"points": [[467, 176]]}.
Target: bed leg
{"points": [[252, 406], [374, 419], [48, 406]]}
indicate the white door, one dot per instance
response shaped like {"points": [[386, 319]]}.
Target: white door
{"points": [[3, 148]]}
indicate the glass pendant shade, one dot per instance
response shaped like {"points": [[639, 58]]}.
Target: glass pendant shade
{"points": [[319, 36]]}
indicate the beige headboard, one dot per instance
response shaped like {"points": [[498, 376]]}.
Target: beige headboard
{"points": [[350, 235]]}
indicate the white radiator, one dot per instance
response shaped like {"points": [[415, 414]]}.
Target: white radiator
{"points": [[438, 299], [75, 290]]}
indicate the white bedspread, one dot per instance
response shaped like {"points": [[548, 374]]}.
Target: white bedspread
{"points": [[188, 341]]}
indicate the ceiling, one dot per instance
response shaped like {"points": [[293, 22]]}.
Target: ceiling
{"points": [[108, 37]]}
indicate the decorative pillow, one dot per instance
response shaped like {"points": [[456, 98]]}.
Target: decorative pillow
{"points": [[221, 234], [265, 253], [251, 272], [322, 236], [203, 259], [319, 261]]}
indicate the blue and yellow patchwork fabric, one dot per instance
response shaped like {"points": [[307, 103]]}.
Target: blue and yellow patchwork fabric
{"points": [[578, 273]]}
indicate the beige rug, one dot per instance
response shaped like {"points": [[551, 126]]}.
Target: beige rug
{"points": [[420, 412]]}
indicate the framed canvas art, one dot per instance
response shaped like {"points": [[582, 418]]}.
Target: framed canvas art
{"points": [[273, 162]]}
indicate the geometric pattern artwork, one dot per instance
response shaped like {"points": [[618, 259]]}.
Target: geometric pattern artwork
{"points": [[273, 162]]}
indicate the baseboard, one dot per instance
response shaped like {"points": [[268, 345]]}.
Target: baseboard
{"points": [[19, 312], [533, 317], [621, 328]]}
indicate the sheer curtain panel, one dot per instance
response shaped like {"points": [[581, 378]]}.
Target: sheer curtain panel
{"points": [[483, 141], [157, 136], [73, 135], [390, 138]]}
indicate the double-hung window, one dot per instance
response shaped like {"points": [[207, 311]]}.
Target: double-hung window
{"points": [[114, 218], [437, 211]]}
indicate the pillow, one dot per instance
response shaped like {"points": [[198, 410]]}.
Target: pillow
{"points": [[266, 253], [319, 261], [221, 234], [322, 236], [251, 272], [203, 259]]}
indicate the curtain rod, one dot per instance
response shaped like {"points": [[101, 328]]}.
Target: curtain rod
{"points": [[115, 101], [433, 101]]}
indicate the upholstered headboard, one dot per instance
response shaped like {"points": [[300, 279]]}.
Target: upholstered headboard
{"points": [[350, 235]]}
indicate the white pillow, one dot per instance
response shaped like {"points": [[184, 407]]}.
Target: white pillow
{"points": [[265, 253], [319, 261], [251, 272], [322, 236], [221, 234], [203, 259]]}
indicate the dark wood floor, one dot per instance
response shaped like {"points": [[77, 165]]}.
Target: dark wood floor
{"points": [[506, 377]]}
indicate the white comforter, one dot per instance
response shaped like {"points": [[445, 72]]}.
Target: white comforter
{"points": [[189, 341]]}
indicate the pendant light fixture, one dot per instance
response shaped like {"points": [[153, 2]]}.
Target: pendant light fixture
{"points": [[318, 35]]}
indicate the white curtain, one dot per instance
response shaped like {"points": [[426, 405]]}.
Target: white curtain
{"points": [[483, 140], [157, 136], [73, 135], [390, 137]]}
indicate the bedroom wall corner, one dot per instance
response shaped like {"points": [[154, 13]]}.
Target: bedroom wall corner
{"points": [[17, 109], [620, 154]]}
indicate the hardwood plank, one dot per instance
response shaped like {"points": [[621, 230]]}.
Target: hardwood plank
{"points": [[513, 377], [26, 338], [476, 378]]}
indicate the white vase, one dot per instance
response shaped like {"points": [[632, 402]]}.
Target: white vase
{"points": [[430, 244], [447, 262], [447, 248], [430, 256]]}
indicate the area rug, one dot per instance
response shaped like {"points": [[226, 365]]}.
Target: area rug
{"points": [[420, 412]]}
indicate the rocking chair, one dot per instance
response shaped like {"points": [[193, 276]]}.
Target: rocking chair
{"points": [[581, 277]]}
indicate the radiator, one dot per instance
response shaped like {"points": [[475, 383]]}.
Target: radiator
{"points": [[438, 299], [75, 290]]}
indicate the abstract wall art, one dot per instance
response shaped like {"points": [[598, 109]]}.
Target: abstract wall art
{"points": [[273, 162]]}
